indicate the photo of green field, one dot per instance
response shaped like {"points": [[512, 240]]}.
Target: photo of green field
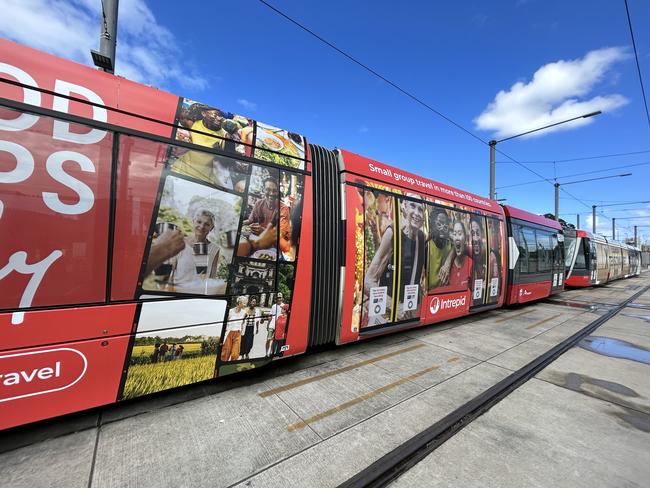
{"points": [[143, 379], [178, 358]]}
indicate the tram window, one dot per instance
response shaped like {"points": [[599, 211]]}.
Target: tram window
{"points": [[557, 251], [531, 244], [544, 250], [569, 245], [521, 246], [581, 262]]}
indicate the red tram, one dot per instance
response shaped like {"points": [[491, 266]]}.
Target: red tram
{"points": [[596, 260], [150, 241]]}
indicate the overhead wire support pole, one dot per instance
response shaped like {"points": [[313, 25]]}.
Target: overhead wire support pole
{"points": [[493, 144], [104, 59], [593, 218], [557, 189], [410, 95], [492, 169], [557, 200], [585, 116]]}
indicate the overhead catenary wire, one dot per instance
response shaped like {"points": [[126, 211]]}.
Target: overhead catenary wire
{"points": [[403, 90], [636, 57], [575, 174], [579, 159]]}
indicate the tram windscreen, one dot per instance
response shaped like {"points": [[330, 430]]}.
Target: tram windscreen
{"points": [[581, 262], [570, 245]]}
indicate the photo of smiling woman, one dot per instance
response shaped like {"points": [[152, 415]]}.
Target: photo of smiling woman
{"points": [[460, 270], [485, 262], [193, 239]]}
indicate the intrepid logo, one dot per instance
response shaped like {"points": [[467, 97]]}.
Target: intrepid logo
{"points": [[446, 303], [35, 373]]}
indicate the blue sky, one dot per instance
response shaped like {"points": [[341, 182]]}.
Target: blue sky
{"points": [[495, 68]]}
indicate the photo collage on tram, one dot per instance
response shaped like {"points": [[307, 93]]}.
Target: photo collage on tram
{"points": [[438, 250], [224, 227]]}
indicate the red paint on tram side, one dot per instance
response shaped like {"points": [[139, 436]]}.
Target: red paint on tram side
{"points": [[528, 292], [298, 330], [517, 213], [579, 280], [370, 168], [49, 381], [351, 316], [448, 306], [66, 324]]}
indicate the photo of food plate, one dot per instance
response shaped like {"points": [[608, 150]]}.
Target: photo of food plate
{"points": [[272, 142], [279, 146]]}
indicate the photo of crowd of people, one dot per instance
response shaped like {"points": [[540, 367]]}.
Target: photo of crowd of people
{"points": [[437, 250], [463, 254], [213, 128], [256, 327], [193, 241]]}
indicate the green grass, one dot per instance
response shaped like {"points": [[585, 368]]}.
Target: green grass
{"points": [[143, 379]]}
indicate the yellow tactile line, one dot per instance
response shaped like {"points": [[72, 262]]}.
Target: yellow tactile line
{"points": [[537, 324], [513, 316], [364, 397], [318, 377]]}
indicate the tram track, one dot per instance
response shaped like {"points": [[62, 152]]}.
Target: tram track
{"points": [[397, 462]]}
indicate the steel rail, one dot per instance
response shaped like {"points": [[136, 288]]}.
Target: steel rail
{"points": [[397, 462]]}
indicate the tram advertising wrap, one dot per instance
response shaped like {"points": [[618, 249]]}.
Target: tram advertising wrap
{"points": [[151, 241], [97, 214]]}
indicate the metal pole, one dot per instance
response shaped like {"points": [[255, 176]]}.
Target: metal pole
{"points": [[614, 228], [577, 221], [108, 34], [593, 218], [492, 143], [557, 201], [635, 243]]}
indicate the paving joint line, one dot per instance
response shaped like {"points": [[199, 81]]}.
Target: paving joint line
{"points": [[351, 426], [392, 465], [94, 458]]}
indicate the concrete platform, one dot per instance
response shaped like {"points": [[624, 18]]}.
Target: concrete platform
{"points": [[584, 421], [320, 419]]}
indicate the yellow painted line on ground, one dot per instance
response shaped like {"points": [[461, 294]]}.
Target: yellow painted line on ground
{"points": [[319, 377], [514, 316], [359, 399], [537, 324]]}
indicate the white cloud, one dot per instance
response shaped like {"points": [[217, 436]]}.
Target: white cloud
{"points": [[558, 91], [146, 51], [247, 104]]}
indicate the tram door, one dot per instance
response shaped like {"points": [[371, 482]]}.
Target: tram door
{"points": [[592, 265], [602, 258], [558, 268]]}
